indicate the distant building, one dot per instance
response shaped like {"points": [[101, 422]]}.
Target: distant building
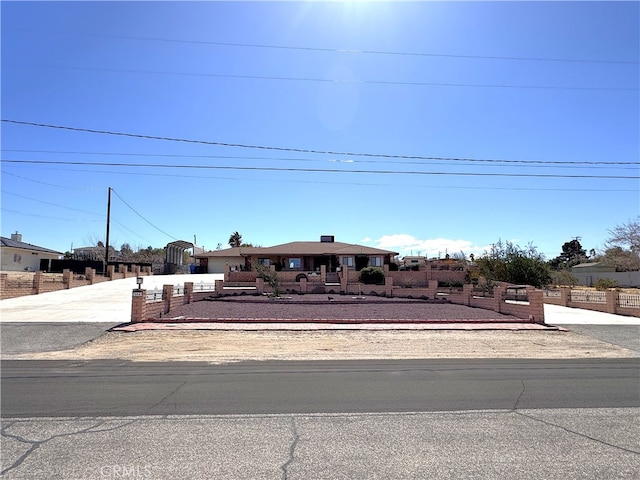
{"points": [[589, 273], [19, 256]]}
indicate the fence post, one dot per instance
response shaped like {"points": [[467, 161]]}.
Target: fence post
{"points": [[66, 278], [111, 271], [188, 293], [536, 305], [388, 285], [138, 305], [565, 295], [467, 291], [37, 281], [259, 286], [498, 295], [219, 287], [303, 285], [167, 295], [612, 300]]}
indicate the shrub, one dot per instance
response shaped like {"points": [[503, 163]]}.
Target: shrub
{"points": [[605, 284], [372, 275]]}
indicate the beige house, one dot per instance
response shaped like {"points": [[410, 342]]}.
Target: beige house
{"points": [[297, 256], [19, 256]]}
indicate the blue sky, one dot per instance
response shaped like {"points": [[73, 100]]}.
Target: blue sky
{"points": [[481, 121]]}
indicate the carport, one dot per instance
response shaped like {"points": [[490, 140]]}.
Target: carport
{"points": [[174, 257]]}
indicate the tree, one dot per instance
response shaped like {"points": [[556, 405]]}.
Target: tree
{"points": [[508, 262], [572, 254], [626, 235], [623, 247], [126, 252], [270, 277], [235, 240]]}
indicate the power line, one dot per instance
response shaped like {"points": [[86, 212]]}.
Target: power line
{"points": [[141, 216], [49, 203], [55, 185], [319, 170], [238, 157], [364, 184], [334, 80], [235, 145], [336, 50]]}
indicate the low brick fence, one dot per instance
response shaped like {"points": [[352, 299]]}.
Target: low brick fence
{"points": [[41, 282], [526, 305], [608, 301]]}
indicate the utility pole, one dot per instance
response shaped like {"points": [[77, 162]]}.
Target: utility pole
{"points": [[106, 247]]}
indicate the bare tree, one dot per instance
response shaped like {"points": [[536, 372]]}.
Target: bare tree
{"points": [[626, 235]]}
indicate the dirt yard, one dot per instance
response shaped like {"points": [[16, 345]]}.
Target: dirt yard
{"points": [[225, 346]]}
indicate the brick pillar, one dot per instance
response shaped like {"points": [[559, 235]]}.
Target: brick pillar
{"points": [[37, 282], [344, 279], [167, 296], [3, 282], [467, 292], [565, 295], [188, 293], [303, 286], [536, 305], [612, 300], [219, 287], [111, 271], [90, 274], [323, 273], [498, 294], [432, 287], [66, 278], [388, 285], [259, 286], [138, 305]]}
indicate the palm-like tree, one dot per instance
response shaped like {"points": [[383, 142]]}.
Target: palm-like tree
{"points": [[235, 240]]}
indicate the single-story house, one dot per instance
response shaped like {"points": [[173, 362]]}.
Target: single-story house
{"points": [[297, 256], [589, 273], [19, 256]]}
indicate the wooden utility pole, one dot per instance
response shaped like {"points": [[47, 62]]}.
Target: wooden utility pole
{"points": [[106, 247]]}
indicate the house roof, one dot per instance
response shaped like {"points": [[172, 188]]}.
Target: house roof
{"points": [[7, 242], [300, 248], [593, 264]]}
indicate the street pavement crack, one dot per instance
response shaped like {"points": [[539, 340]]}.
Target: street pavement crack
{"points": [[169, 395], [292, 449], [35, 444], [515, 405], [583, 435]]}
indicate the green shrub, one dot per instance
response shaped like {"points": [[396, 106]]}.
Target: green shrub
{"points": [[605, 284], [372, 275]]}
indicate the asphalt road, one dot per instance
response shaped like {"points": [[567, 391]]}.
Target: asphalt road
{"points": [[120, 388]]}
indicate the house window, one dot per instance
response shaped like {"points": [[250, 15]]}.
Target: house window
{"points": [[264, 261], [375, 261], [347, 261], [295, 263]]}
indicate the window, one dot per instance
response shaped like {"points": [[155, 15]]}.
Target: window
{"points": [[347, 261], [375, 261], [295, 263], [264, 261]]}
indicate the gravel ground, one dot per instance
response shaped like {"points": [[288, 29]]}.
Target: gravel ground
{"points": [[341, 307]]}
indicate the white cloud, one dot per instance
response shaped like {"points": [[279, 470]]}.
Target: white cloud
{"points": [[431, 247]]}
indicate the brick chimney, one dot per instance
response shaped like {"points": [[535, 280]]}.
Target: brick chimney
{"points": [[17, 237]]}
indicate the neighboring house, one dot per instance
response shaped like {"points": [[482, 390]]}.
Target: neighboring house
{"points": [[25, 257], [95, 253], [589, 273], [410, 262], [297, 256]]}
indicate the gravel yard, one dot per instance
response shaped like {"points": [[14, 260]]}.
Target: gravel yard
{"points": [[341, 307]]}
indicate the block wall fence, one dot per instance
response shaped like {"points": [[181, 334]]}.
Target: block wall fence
{"points": [[530, 311], [50, 282]]}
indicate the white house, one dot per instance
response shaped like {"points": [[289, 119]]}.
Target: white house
{"points": [[17, 255]]}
